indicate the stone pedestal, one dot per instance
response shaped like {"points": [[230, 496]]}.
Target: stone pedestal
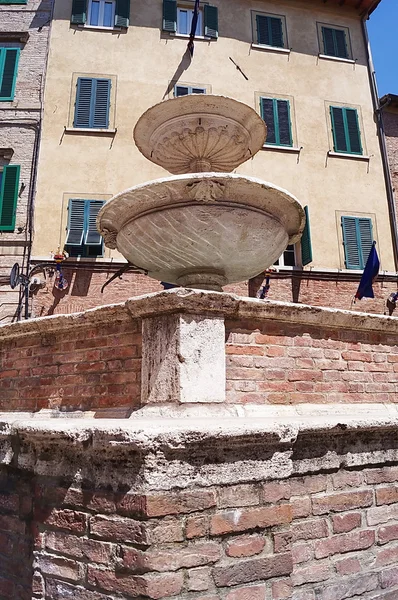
{"points": [[183, 359]]}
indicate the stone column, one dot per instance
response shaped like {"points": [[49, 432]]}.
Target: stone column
{"points": [[183, 359]]}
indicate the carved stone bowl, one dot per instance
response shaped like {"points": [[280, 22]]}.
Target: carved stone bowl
{"points": [[200, 133], [203, 230]]}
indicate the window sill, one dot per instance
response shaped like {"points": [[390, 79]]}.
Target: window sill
{"points": [[90, 130], [198, 38], [337, 58], [351, 156], [100, 28], [294, 149], [270, 48]]}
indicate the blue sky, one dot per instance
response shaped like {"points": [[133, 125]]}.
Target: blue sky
{"points": [[383, 30]]}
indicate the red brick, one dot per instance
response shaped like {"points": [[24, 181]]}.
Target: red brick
{"points": [[348, 566], [275, 491], [167, 531], [250, 518], [59, 590], [37, 584], [70, 545], [245, 350], [343, 479], [348, 542], [387, 534], [183, 502], [387, 556], [355, 586], [238, 495], [196, 527], [381, 514], [389, 577], [341, 502], [187, 557], [306, 530], [281, 589], [311, 574], [11, 524], [60, 567], [386, 495], [302, 553], [199, 580], [247, 545], [304, 375], [118, 529], [153, 586], [254, 592], [301, 507], [9, 502], [312, 484], [346, 522], [70, 520], [253, 570]]}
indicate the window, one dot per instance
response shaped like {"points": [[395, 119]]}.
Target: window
{"points": [[177, 18], [276, 114], [185, 90], [101, 13], [8, 72], [9, 188], [334, 42], [92, 103], [357, 240], [269, 30], [345, 128], [288, 258], [82, 238]]}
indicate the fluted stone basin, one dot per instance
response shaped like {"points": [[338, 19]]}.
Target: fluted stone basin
{"points": [[200, 133], [202, 230]]}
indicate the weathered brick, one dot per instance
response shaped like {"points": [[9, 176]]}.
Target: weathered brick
{"points": [[199, 579], [312, 484], [59, 567], [154, 586], [59, 590], [118, 529], [275, 491], [247, 519], [386, 495], [254, 592], [197, 526], [341, 502], [247, 545], [306, 530], [253, 570], [194, 555], [381, 475], [78, 547], [387, 533], [348, 566], [389, 577], [310, 574], [347, 542], [281, 589], [302, 553], [167, 531], [381, 514], [346, 522], [301, 507], [348, 588], [175, 503], [70, 520], [387, 556], [238, 495], [344, 479]]}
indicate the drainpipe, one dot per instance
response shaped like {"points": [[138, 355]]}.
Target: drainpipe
{"points": [[383, 147]]}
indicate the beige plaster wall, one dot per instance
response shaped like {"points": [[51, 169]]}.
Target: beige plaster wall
{"points": [[144, 60]]}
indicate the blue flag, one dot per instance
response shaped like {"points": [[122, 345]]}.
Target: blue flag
{"points": [[193, 27], [369, 275]]}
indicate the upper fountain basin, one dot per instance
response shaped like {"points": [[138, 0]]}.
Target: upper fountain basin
{"points": [[200, 133]]}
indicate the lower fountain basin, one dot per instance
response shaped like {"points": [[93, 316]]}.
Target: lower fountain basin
{"points": [[202, 230]]}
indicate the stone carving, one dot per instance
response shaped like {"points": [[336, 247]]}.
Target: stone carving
{"points": [[206, 190], [109, 236]]}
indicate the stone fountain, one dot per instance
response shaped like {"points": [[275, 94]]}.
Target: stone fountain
{"points": [[204, 227]]}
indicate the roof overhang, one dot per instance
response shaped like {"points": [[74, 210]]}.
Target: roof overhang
{"points": [[364, 7], [389, 100]]}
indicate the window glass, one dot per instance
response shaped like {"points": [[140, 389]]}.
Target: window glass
{"points": [[108, 14], [101, 13], [184, 21], [185, 90], [288, 258], [94, 13]]}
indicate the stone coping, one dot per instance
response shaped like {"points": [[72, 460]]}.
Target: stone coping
{"points": [[218, 304], [154, 430]]}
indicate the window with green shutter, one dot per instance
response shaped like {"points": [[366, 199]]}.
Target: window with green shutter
{"points": [[79, 12], [269, 31], [9, 188], [82, 238], [170, 15], [357, 240], [306, 246], [8, 72], [211, 21], [276, 114], [92, 103], [345, 128], [335, 42]]}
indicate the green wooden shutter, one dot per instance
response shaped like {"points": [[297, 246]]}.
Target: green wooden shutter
{"points": [[262, 30], [267, 114], [76, 210], [8, 72], [122, 18], [276, 30], [284, 124], [211, 21], [340, 43], [353, 133], [79, 12], [328, 41], [338, 129], [306, 246], [170, 15], [9, 197], [358, 240], [99, 118], [92, 237], [84, 93]]}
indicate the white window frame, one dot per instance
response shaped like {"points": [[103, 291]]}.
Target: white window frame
{"points": [[189, 88], [189, 10], [101, 14], [280, 262]]}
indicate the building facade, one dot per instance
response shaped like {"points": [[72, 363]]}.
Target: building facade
{"points": [[389, 104], [303, 65], [24, 33]]}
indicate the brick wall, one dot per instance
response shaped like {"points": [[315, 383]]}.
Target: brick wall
{"points": [[72, 368], [390, 120], [325, 536]]}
